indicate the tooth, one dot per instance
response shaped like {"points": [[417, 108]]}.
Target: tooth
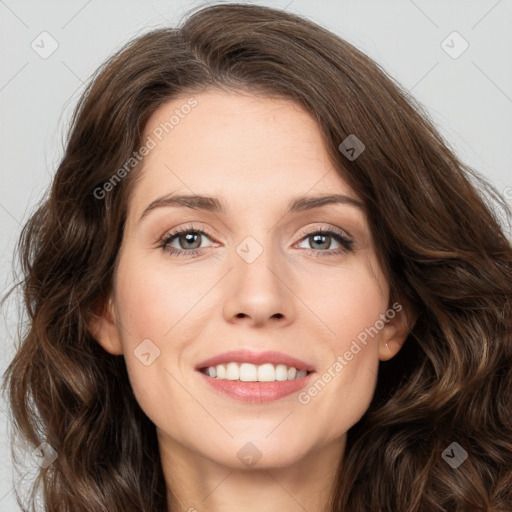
{"points": [[232, 371], [221, 371], [248, 372], [266, 373], [281, 372]]}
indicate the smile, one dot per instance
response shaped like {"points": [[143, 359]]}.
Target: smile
{"points": [[247, 372], [255, 377]]}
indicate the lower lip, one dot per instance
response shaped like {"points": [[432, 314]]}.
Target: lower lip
{"points": [[257, 392]]}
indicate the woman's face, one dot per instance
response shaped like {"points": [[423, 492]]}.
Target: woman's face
{"points": [[262, 278]]}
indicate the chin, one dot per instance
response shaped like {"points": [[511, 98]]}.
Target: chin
{"points": [[259, 453]]}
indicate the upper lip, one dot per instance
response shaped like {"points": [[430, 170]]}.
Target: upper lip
{"points": [[257, 358]]}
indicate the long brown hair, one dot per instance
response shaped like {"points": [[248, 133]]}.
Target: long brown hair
{"points": [[436, 226]]}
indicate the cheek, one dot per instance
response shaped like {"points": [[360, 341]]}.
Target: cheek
{"points": [[156, 307], [347, 301], [362, 302], [155, 297], [350, 306]]}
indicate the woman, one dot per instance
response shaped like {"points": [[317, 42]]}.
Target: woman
{"points": [[252, 370]]}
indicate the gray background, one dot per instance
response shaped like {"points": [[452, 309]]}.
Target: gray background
{"points": [[468, 97]]}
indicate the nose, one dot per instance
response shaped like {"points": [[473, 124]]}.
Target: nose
{"points": [[257, 293]]}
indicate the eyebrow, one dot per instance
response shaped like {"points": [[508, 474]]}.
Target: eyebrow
{"points": [[215, 205]]}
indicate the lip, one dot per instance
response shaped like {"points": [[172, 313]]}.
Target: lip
{"points": [[257, 392], [257, 358]]}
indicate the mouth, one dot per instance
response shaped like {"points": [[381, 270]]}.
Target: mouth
{"points": [[255, 377]]}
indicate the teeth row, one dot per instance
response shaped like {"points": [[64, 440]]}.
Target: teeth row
{"points": [[248, 372]]}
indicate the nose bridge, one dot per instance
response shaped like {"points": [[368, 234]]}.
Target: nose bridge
{"points": [[256, 262]]}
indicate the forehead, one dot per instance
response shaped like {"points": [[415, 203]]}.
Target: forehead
{"points": [[238, 146]]}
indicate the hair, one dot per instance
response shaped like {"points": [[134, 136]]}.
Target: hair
{"points": [[436, 224]]}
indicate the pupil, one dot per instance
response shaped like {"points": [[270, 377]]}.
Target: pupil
{"points": [[317, 239], [189, 238]]}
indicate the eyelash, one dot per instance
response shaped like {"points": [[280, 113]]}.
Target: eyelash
{"points": [[345, 242]]}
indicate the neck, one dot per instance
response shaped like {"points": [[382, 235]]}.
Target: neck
{"points": [[200, 484]]}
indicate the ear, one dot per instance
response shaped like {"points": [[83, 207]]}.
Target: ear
{"points": [[401, 319], [104, 329]]}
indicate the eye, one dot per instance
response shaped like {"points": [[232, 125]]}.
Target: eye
{"points": [[322, 239], [188, 240]]}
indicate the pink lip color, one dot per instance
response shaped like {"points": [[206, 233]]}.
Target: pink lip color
{"points": [[258, 358], [257, 392]]}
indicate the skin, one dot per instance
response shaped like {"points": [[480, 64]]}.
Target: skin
{"points": [[256, 154]]}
